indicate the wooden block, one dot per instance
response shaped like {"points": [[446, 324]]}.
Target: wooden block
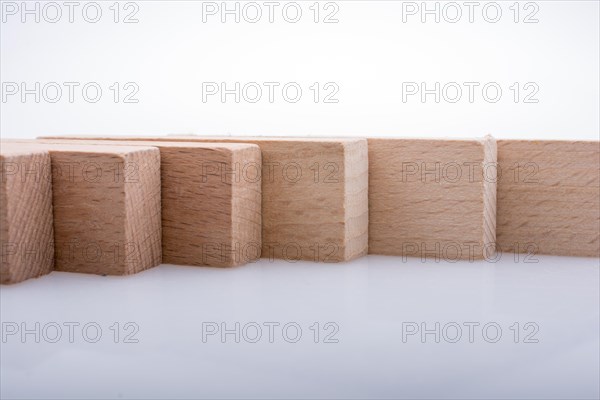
{"points": [[211, 201], [26, 232], [314, 195], [549, 197], [106, 204], [432, 198]]}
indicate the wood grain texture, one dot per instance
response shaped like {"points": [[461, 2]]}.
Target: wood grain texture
{"points": [[211, 201], [106, 204], [26, 231], [549, 197], [429, 198], [314, 195]]}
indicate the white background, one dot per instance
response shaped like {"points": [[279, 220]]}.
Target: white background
{"points": [[368, 54], [170, 52]]}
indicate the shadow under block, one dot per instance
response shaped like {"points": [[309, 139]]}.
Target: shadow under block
{"points": [[314, 195], [211, 201], [549, 197], [106, 205], [26, 232], [432, 198]]}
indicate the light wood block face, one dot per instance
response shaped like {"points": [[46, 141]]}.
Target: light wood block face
{"points": [[26, 232], [432, 198], [106, 204], [211, 201], [314, 195], [549, 197]]}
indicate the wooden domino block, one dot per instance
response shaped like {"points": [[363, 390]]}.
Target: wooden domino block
{"points": [[314, 195], [106, 205], [211, 201], [432, 198], [26, 232], [549, 197]]}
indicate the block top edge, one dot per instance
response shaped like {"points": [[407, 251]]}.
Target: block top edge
{"points": [[212, 138]]}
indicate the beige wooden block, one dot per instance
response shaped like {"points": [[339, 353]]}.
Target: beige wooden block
{"points": [[211, 201], [433, 199], [314, 195], [26, 232], [106, 204], [549, 197]]}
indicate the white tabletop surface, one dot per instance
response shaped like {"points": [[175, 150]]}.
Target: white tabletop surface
{"points": [[369, 348]]}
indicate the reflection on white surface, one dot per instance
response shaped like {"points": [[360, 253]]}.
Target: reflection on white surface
{"points": [[370, 303]]}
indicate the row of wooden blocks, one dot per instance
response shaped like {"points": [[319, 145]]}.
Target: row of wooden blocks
{"points": [[122, 205]]}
